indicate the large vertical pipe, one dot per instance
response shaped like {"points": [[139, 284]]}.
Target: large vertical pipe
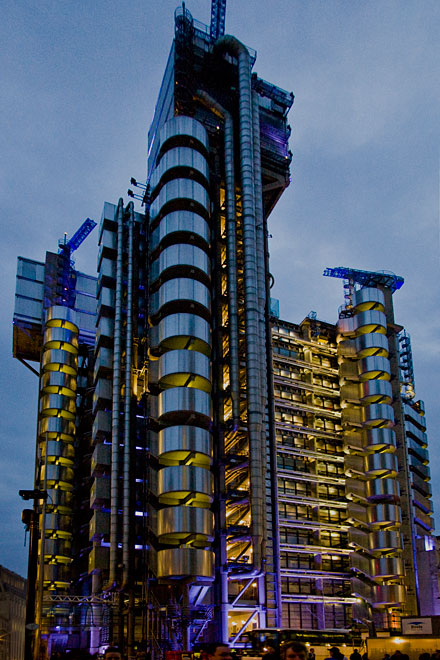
{"points": [[261, 273], [114, 492], [260, 238], [231, 251], [127, 403], [251, 294], [126, 509]]}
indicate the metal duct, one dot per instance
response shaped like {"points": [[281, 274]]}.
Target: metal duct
{"points": [[231, 252], [114, 497], [252, 312], [127, 403]]}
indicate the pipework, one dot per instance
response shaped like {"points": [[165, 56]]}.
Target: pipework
{"points": [[231, 251], [116, 393], [252, 311], [127, 403]]}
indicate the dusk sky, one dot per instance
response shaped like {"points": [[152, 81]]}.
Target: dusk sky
{"points": [[80, 81]]}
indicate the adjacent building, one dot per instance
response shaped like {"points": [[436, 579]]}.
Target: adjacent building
{"points": [[12, 614], [209, 468]]}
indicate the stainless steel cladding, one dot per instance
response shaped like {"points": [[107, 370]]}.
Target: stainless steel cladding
{"points": [[180, 308], [182, 331], [185, 561], [56, 433], [368, 414], [192, 225]]}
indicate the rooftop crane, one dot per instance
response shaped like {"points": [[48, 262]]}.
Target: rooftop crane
{"points": [[68, 274], [68, 246], [366, 277], [218, 13]]}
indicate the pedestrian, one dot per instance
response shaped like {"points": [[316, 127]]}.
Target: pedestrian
{"points": [[113, 653], [217, 651], [311, 654], [293, 651], [335, 654], [355, 655]]}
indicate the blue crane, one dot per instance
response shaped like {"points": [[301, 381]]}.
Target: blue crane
{"points": [[78, 237], [67, 291], [218, 14], [366, 277]]}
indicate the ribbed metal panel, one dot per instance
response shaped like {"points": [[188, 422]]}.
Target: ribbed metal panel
{"points": [[384, 515], [60, 547], [61, 450], [387, 567], [380, 489], [385, 540], [374, 367], [180, 157], [182, 125], [61, 317], [178, 483], [371, 343], [380, 438], [63, 338], [180, 189], [57, 405], [181, 524], [182, 368], [58, 473], [59, 523], [183, 257], [57, 382], [183, 562], [381, 464], [187, 331], [183, 402], [57, 427], [369, 298], [183, 224], [58, 360], [57, 573], [379, 415], [387, 595], [177, 442], [376, 391], [181, 289], [62, 498], [371, 321]]}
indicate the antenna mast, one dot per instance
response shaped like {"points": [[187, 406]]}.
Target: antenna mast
{"points": [[218, 14]]}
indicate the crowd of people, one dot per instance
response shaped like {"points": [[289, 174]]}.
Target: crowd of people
{"points": [[220, 651], [398, 655]]}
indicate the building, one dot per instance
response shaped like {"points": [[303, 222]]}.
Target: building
{"points": [[12, 615], [353, 482], [200, 457]]}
